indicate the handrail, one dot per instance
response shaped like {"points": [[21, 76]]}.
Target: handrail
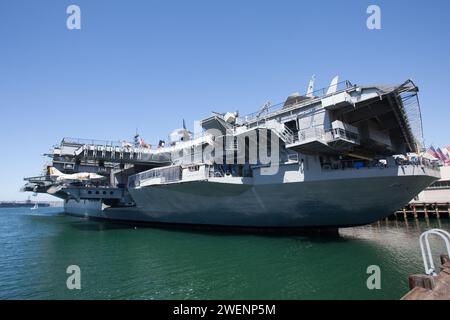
{"points": [[103, 143], [319, 93], [167, 174], [375, 163], [426, 250], [80, 141]]}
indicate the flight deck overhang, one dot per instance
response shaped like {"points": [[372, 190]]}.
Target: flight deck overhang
{"points": [[393, 110]]}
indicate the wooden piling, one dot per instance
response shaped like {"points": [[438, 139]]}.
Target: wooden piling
{"points": [[421, 281], [424, 287], [425, 210]]}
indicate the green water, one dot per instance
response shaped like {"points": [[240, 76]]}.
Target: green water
{"points": [[121, 262]]}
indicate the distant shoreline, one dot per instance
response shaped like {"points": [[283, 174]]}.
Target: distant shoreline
{"points": [[29, 203]]}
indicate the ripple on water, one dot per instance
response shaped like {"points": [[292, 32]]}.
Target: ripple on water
{"points": [[120, 262]]}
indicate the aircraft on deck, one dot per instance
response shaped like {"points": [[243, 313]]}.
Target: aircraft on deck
{"points": [[58, 176]]}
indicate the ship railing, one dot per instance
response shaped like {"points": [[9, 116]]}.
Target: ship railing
{"points": [[320, 93], [103, 144], [311, 134], [326, 135], [124, 148], [377, 163], [221, 171], [339, 133], [79, 141], [38, 179], [166, 174], [286, 134], [418, 161]]}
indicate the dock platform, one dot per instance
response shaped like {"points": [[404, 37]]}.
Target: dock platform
{"points": [[425, 287]]}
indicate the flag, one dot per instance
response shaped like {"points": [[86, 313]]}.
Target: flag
{"points": [[431, 151], [446, 151], [441, 155], [444, 155], [143, 144]]}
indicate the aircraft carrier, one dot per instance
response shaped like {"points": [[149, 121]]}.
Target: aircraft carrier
{"points": [[341, 156]]}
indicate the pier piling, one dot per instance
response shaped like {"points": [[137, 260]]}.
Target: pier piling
{"points": [[424, 210], [424, 287]]}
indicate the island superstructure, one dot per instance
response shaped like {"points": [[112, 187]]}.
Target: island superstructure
{"points": [[332, 160]]}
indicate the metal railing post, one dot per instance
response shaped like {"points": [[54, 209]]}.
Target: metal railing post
{"points": [[426, 250]]}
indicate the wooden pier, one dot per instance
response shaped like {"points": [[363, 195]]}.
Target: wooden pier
{"points": [[424, 210], [424, 287]]}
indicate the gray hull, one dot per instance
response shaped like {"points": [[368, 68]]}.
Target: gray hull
{"points": [[333, 203]]}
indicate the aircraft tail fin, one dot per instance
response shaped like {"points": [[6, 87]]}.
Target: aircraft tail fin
{"points": [[333, 86], [311, 87], [54, 172]]}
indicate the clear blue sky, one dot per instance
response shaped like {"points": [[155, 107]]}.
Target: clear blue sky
{"points": [[148, 64]]}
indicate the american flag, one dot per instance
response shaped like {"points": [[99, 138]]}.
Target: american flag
{"points": [[446, 151], [441, 155], [433, 152]]}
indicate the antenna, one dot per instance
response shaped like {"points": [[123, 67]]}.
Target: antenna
{"points": [[136, 138], [184, 124]]}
